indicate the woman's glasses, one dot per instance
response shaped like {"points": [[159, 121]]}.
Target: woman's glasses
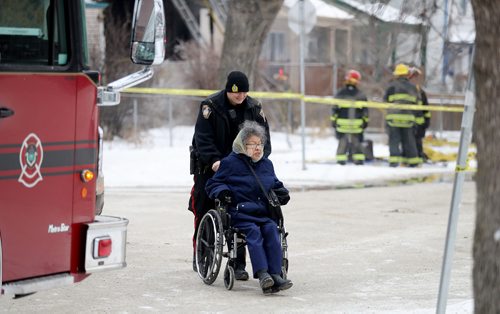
{"points": [[254, 146]]}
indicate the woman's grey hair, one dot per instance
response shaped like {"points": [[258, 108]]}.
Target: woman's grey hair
{"points": [[248, 129], [252, 128]]}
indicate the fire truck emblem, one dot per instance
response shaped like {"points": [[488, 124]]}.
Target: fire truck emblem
{"points": [[30, 159]]}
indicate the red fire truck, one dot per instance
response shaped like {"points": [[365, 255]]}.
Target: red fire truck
{"points": [[50, 144]]}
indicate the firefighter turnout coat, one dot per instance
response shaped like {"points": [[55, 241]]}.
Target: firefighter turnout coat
{"points": [[350, 120], [421, 128], [401, 122]]}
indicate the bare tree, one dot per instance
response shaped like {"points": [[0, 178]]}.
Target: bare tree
{"points": [[117, 24], [202, 65], [247, 26], [486, 250]]}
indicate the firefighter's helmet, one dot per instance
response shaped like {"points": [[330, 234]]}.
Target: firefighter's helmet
{"points": [[352, 77], [401, 70]]}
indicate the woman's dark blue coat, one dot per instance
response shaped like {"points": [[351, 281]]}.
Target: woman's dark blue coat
{"points": [[248, 201]]}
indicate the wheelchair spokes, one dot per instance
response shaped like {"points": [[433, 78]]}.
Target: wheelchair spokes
{"points": [[209, 243], [284, 250], [214, 234]]}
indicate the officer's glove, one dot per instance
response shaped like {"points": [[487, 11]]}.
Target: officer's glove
{"points": [[334, 124], [225, 197]]}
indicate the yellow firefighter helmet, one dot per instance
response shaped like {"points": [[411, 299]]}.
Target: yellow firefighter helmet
{"points": [[401, 70]]}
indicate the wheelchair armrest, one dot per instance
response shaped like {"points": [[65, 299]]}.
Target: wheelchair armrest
{"points": [[223, 202]]}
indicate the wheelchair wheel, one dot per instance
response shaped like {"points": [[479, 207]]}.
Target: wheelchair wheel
{"points": [[229, 277], [209, 244], [284, 253], [284, 268]]}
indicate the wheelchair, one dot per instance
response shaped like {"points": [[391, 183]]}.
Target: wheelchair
{"points": [[216, 239]]}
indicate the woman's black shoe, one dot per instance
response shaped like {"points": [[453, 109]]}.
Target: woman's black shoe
{"points": [[280, 283], [240, 274], [265, 280]]}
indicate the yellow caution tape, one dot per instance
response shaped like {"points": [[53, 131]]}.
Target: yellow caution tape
{"points": [[170, 91], [467, 167], [275, 95], [379, 105], [308, 99], [205, 92]]}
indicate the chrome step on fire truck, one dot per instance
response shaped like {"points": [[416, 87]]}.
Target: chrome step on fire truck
{"points": [[50, 144]]}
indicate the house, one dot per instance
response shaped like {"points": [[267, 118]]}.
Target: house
{"points": [[383, 36], [437, 35], [371, 37], [327, 46], [457, 50]]}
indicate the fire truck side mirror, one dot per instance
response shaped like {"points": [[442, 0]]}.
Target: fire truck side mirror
{"points": [[147, 48], [148, 33]]}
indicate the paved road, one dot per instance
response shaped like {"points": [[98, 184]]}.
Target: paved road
{"points": [[356, 250]]}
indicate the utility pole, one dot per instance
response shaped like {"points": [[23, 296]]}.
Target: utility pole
{"points": [[302, 83], [460, 172]]}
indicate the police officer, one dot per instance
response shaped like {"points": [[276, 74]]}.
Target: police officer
{"points": [[216, 127], [415, 78], [349, 122], [401, 122]]}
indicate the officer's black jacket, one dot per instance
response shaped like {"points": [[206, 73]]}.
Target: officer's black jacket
{"points": [[212, 137]]}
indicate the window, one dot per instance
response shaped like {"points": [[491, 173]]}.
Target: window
{"points": [[463, 7], [33, 32], [274, 48], [341, 46], [318, 45]]}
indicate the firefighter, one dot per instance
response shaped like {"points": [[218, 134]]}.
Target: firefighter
{"points": [[350, 122], [415, 78], [217, 125], [401, 122]]}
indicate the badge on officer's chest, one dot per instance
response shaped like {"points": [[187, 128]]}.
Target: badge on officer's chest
{"points": [[206, 111]]}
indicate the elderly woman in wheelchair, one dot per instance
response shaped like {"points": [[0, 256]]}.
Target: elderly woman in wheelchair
{"points": [[242, 187]]}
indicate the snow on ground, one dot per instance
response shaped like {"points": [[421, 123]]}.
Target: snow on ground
{"points": [[161, 160]]}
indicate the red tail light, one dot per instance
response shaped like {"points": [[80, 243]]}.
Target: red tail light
{"points": [[102, 247]]}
